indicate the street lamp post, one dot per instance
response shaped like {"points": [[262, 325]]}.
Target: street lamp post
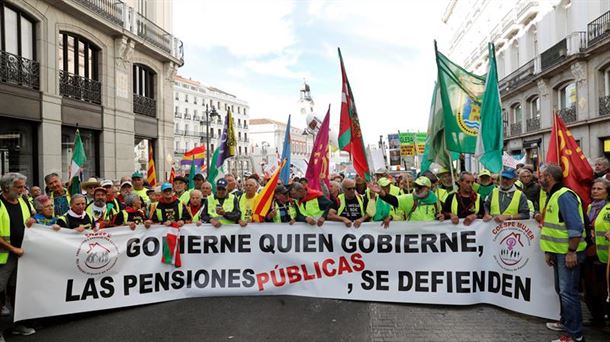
{"points": [[208, 114]]}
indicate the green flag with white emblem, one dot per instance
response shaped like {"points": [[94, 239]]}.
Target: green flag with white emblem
{"points": [[461, 93]]}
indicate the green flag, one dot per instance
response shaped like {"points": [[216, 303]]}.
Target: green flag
{"points": [[192, 173], [490, 139], [215, 173], [78, 161], [460, 94], [436, 149]]}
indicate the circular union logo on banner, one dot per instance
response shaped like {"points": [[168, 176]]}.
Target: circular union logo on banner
{"points": [[97, 254], [468, 115], [513, 240]]}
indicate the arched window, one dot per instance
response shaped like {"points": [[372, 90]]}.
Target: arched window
{"points": [[78, 65], [533, 107], [567, 95], [17, 48]]}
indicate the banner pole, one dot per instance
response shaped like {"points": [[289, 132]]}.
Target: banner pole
{"points": [[451, 170]]}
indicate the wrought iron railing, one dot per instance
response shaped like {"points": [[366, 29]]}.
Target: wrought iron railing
{"points": [[153, 33], [598, 29], [554, 55], [188, 116], [604, 105], [109, 9], [576, 42], [532, 124], [178, 115], [144, 105], [517, 77], [515, 128], [568, 114], [19, 71], [80, 88]]}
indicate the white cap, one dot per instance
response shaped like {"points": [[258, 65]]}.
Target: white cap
{"points": [[106, 182], [127, 182]]}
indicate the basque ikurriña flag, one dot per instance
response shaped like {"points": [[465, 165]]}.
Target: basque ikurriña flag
{"points": [[350, 134]]}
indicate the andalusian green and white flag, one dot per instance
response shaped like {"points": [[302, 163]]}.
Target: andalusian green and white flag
{"points": [[436, 148], [491, 140], [461, 94], [215, 173], [78, 161]]}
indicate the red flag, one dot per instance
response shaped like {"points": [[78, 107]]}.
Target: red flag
{"points": [[317, 169], [265, 197], [563, 151], [350, 134], [172, 174]]}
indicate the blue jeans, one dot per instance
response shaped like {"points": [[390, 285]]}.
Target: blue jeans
{"points": [[566, 285]]}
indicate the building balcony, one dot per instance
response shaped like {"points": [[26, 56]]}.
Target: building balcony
{"points": [[192, 133], [604, 105], [188, 116], [515, 129], [533, 124], [111, 10], [80, 88], [178, 115], [518, 77], [179, 132], [122, 17], [568, 114], [16, 70], [576, 42], [180, 151], [598, 29], [554, 55], [144, 105]]}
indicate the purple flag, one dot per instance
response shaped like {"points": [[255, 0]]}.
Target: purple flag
{"points": [[317, 169]]}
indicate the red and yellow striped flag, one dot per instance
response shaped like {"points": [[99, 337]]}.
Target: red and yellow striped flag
{"points": [[265, 197], [151, 172], [172, 174]]}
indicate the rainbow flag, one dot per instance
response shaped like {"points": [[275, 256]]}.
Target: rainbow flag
{"points": [[196, 156]]}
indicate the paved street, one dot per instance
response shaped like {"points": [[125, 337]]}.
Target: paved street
{"points": [[296, 319]]}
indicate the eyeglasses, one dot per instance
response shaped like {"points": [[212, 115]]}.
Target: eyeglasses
{"points": [[350, 189]]}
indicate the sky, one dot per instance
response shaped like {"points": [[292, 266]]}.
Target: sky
{"points": [[262, 51]]}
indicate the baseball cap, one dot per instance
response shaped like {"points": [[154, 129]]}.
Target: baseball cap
{"points": [[99, 188], [383, 181], [441, 171], [484, 172], [137, 174], [181, 179], [222, 183], [106, 182], [166, 186], [126, 183], [281, 189], [423, 181], [509, 173], [149, 189], [199, 176]]}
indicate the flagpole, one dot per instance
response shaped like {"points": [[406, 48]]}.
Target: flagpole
{"points": [[556, 137], [451, 169]]}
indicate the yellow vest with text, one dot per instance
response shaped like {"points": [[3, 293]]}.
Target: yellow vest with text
{"points": [[227, 206], [246, 213], [5, 225], [342, 204], [513, 206], [454, 205], [554, 237]]}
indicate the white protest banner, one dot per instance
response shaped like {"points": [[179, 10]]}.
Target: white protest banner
{"points": [[414, 262]]}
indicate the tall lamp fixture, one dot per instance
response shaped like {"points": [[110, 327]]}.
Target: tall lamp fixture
{"points": [[208, 114]]}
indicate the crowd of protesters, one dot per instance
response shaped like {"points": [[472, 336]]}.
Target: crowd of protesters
{"points": [[513, 194]]}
